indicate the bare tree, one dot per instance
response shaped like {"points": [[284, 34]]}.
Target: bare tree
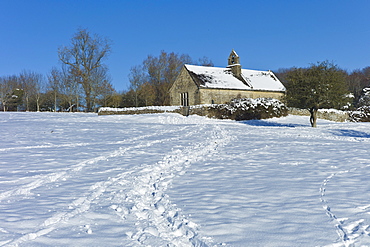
{"points": [[70, 89], [40, 90], [54, 85], [84, 57], [32, 84], [106, 94], [102, 87], [147, 93], [28, 85], [162, 72], [205, 61], [151, 81], [357, 81], [114, 100], [137, 78]]}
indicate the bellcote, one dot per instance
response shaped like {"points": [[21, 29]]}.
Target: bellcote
{"points": [[234, 63], [233, 58]]}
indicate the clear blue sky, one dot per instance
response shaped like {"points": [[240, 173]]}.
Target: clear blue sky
{"points": [[266, 34]]}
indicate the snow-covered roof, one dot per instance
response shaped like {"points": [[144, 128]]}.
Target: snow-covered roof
{"points": [[214, 77]]}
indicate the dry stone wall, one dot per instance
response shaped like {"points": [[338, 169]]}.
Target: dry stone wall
{"points": [[208, 110], [328, 114]]}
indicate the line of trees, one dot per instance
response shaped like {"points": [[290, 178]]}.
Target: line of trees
{"points": [[82, 82], [24, 90], [321, 85], [150, 82]]}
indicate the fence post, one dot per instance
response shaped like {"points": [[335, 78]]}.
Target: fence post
{"points": [[185, 111]]}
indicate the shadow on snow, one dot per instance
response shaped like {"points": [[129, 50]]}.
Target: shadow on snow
{"points": [[351, 133], [264, 123], [337, 132]]}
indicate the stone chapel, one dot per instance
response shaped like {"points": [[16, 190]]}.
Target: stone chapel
{"points": [[196, 85]]}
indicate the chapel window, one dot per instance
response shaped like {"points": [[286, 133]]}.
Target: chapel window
{"points": [[184, 99]]}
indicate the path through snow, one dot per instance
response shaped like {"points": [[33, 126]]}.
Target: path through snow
{"points": [[137, 192], [169, 180]]}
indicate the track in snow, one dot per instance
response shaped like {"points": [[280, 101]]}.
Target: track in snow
{"points": [[65, 173], [348, 230], [143, 196]]}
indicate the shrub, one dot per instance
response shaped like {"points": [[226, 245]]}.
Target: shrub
{"points": [[365, 98], [361, 115], [247, 109]]}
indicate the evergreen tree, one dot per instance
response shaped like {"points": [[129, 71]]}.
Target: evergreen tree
{"points": [[14, 99], [321, 85]]}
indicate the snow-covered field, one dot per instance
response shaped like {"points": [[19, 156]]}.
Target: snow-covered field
{"points": [[168, 180]]}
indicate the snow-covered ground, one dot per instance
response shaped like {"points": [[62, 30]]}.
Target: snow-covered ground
{"points": [[168, 180]]}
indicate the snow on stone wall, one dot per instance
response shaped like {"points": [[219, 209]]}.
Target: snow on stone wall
{"points": [[203, 110], [328, 114]]}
